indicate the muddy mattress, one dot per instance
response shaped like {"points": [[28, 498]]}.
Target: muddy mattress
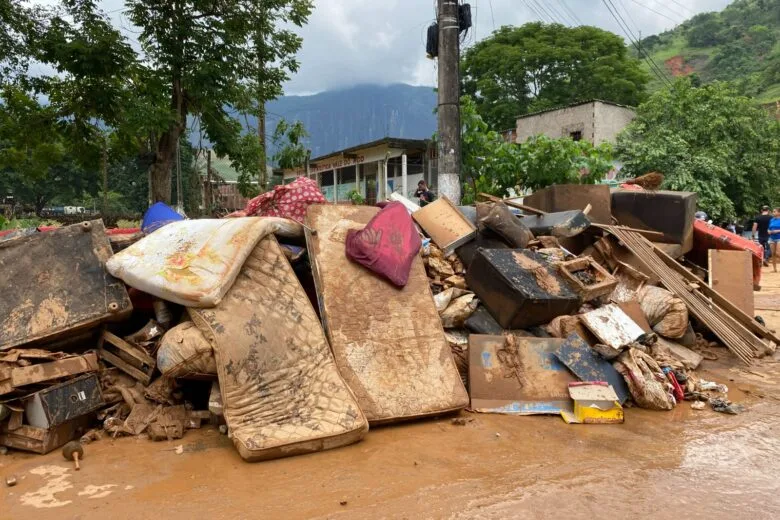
{"points": [[282, 392], [388, 343]]}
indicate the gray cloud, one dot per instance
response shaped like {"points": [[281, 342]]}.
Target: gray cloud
{"points": [[348, 42], [360, 41]]}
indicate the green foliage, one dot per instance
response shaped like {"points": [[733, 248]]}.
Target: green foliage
{"points": [[37, 153], [738, 44], [708, 140], [356, 197], [288, 140], [536, 66], [492, 165]]}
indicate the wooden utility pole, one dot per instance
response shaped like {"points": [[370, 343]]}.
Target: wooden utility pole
{"points": [[449, 101]]}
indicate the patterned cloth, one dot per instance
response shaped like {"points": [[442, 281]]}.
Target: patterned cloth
{"points": [[287, 201]]}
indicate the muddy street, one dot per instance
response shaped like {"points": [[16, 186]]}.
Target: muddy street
{"points": [[683, 463]]}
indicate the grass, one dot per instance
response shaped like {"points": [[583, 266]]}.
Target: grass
{"points": [[22, 223]]}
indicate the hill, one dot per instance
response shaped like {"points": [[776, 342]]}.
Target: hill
{"points": [[342, 118], [740, 44]]}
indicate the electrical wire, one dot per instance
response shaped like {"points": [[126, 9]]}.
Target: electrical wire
{"points": [[656, 12], [571, 12], [630, 35], [493, 18]]}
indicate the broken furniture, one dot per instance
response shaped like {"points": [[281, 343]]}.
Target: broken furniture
{"points": [[589, 366], [42, 440], [128, 358], [63, 402], [15, 378], [730, 273], [519, 288], [587, 277], [388, 342], [517, 375], [741, 333], [446, 226], [668, 212], [568, 197], [56, 286]]}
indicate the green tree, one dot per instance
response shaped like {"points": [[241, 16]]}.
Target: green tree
{"points": [[37, 161], [708, 140], [492, 165], [291, 151], [203, 56], [518, 70]]}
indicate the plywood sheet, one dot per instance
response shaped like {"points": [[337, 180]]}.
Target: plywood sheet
{"points": [[445, 224], [612, 326], [389, 343], [731, 274], [525, 378]]}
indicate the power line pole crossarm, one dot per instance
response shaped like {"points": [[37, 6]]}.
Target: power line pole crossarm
{"points": [[449, 101]]}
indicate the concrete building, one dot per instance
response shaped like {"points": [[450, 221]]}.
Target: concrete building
{"points": [[375, 169], [594, 121]]}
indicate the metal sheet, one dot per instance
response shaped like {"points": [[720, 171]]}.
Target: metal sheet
{"points": [[589, 366], [389, 343], [55, 284], [527, 381], [612, 326]]}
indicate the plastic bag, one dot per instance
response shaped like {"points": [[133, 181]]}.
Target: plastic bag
{"points": [[666, 313], [194, 262], [387, 245], [184, 351], [645, 380]]}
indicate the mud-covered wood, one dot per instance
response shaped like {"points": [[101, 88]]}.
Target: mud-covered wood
{"points": [[519, 288], [55, 284]]}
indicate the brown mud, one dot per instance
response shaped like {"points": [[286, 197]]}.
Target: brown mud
{"points": [[664, 465]]}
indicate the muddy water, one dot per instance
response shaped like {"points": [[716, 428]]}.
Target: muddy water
{"points": [[681, 464]]}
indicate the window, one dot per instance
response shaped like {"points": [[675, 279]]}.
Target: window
{"points": [[576, 135]]}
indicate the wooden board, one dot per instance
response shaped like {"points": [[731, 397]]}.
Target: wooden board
{"points": [[529, 381], [389, 343], [55, 285], [43, 372], [612, 326], [731, 274], [445, 224]]}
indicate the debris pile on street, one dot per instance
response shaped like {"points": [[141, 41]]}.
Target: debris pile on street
{"points": [[295, 329]]}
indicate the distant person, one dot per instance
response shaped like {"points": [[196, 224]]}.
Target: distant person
{"points": [[761, 229], [774, 236], [423, 195]]}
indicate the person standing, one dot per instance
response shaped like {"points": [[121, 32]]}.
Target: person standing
{"points": [[774, 236], [761, 228], [423, 194]]}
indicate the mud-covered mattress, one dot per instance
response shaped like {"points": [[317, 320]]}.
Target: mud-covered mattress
{"points": [[282, 392], [389, 343]]}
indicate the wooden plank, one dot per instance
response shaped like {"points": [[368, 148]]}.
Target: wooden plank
{"points": [[42, 372], [747, 321], [731, 275], [127, 348], [122, 365], [445, 224]]}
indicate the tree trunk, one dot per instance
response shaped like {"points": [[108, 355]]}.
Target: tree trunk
{"points": [[165, 148]]}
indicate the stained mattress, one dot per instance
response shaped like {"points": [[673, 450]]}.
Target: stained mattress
{"points": [[282, 392], [389, 343]]}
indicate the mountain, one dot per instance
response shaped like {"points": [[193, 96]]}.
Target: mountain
{"points": [[740, 44], [339, 119]]}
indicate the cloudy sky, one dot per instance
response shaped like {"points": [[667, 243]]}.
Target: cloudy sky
{"points": [[383, 41]]}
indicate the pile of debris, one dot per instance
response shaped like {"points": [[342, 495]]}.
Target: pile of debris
{"points": [[295, 329]]}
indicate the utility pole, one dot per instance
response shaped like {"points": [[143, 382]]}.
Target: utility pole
{"points": [[261, 137], [449, 101]]}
